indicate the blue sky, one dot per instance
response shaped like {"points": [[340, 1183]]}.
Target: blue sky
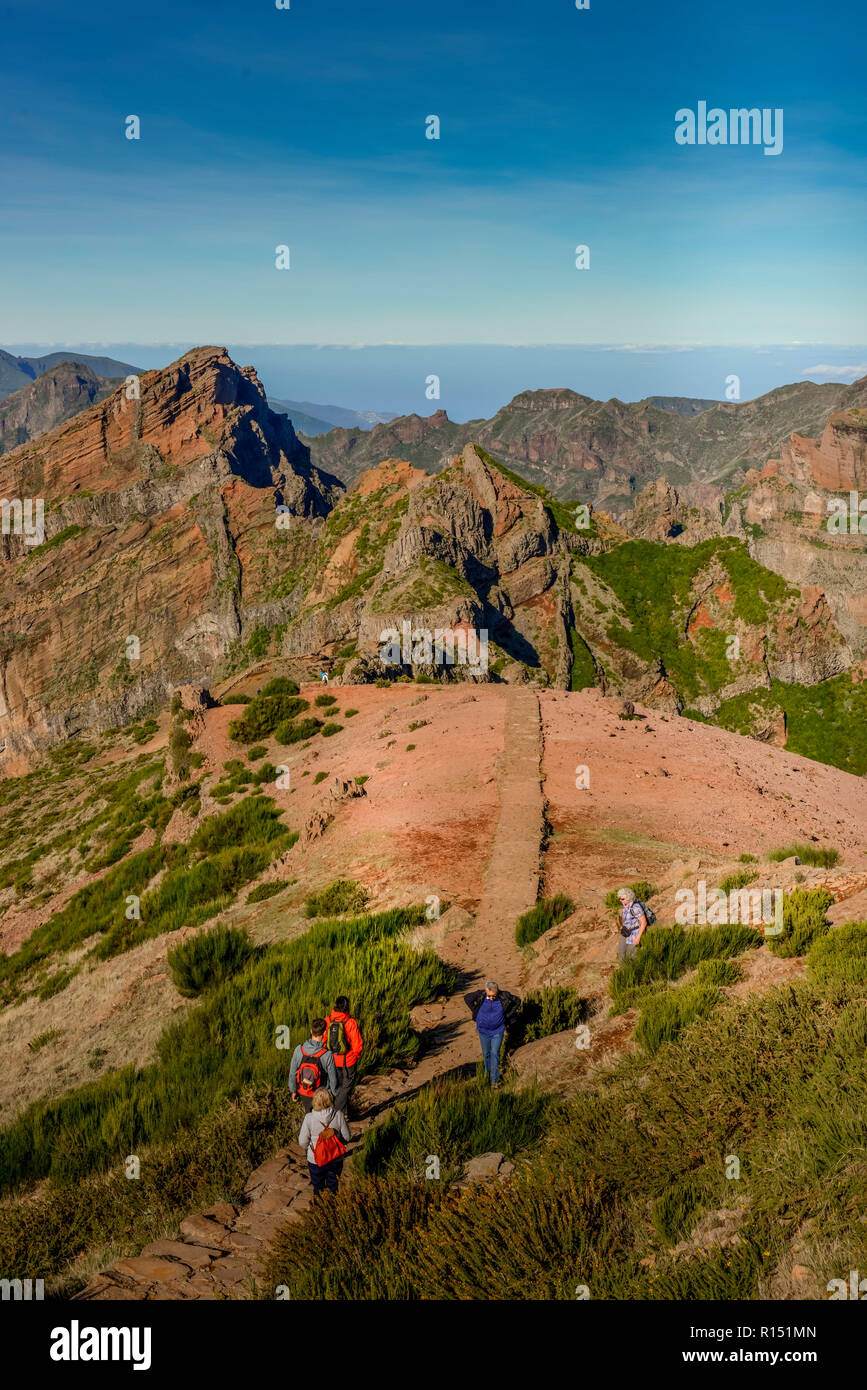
{"points": [[306, 127]]}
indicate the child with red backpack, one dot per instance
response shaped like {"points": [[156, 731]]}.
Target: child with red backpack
{"points": [[312, 1067], [326, 1133]]}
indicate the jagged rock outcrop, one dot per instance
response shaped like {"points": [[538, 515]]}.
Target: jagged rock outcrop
{"points": [[168, 507], [787, 512]]}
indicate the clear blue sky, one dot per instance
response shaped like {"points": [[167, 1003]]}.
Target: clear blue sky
{"points": [[306, 127]]}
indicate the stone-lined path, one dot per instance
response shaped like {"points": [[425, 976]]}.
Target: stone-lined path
{"points": [[222, 1250]]}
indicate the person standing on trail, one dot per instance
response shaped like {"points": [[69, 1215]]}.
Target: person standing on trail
{"points": [[346, 1045], [323, 676], [493, 1009], [633, 924], [324, 1131], [312, 1066]]}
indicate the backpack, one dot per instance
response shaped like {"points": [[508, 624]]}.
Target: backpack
{"points": [[328, 1146], [309, 1076], [649, 914], [338, 1042]]}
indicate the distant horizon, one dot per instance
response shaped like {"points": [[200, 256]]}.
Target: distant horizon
{"points": [[476, 380]]}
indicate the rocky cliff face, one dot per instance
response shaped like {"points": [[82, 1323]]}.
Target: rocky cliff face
{"points": [[152, 506], [787, 511]]}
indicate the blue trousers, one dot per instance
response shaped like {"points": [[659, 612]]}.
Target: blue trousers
{"points": [[491, 1044]]}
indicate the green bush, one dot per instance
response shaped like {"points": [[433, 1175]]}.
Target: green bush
{"points": [[207, 960], [263, 891], [718, 972], [840, 957], [296, 731], [808, 854], [552, 1009], [349, 713], [325, 700], [804, 921], [257, 751], [343, 895], [277, 703], [665, 953], [320, 777], [455, 1120], [329, 730], [665, 1016], [547, 913], [733, 882]]}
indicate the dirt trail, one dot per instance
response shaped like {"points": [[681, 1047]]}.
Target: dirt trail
{"points": [[221, 1252]]}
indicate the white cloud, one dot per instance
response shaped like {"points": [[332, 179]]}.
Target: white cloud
{"points": [[837, 373]]}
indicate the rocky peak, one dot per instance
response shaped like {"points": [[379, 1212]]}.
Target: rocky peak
{"points": [[835, 463]]}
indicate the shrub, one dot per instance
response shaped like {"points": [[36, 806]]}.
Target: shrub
{"points": [[546, 1011], [456, 1120], [666, 953], [325, 700], [541, 918], [280, 685], [320, 777], [329, 730], [349, 713], [295, 731], [278, 702], [804, 921], [808, 854], [206, 960], [262, 891], [718, 972], [733, 882], [257, 751], [840, 957], [237, 700], [664, 1016], [343, 895], [747, 859]]}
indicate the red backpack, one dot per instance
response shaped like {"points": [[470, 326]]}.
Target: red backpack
{"points": [[328, 1146], [309, 1077]]}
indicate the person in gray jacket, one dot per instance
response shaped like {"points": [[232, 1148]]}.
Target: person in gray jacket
{"points": [[312, 1066], [324, 1116]]}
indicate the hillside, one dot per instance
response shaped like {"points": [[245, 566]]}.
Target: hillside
{"points": [[18, 372], [100, 1038], [56, 395]]}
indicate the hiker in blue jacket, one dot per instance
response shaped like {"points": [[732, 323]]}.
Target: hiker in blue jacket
{"points": [[493, 1009]]}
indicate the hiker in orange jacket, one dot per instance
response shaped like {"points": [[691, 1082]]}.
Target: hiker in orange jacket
{"points": [[346, 1045]]}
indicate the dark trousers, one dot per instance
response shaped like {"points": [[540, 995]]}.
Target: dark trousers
{"points": [[307, 1102], [325, 1177], [346, 1077]]}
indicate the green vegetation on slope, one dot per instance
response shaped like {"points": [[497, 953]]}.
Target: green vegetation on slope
{"points": [[242, 1033]]}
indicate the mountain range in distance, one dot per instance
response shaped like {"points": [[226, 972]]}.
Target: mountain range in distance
{"points": [[312, 419]]}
